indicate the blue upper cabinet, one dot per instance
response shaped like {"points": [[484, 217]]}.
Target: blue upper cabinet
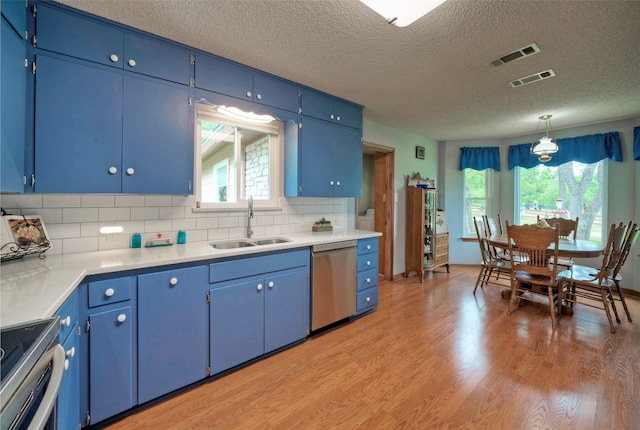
{"points": [[225, 77], [79, 36], [13, 99], [97, 131], [15, 12], [323, 106]]}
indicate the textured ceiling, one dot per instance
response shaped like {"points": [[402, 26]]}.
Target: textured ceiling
{"points": [[430, 78]]}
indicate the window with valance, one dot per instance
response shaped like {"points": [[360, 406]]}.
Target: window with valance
{"points": [[480, 158], [584, 149]]}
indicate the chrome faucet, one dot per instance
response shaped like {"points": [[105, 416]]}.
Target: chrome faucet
{"points": [[249, 216]]}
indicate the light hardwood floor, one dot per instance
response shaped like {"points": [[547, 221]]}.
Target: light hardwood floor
{"points": [[432, 356]]}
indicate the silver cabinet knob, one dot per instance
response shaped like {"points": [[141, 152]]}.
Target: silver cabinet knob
{"points": [[122, 318], [338, 183], [259, 287], [331, 183], [130, 171], [113, 170], [368, 247], [132, 62], [271, 284], [338, 118], [368, 299], [113, 58], [332, 116], [65, 321], [259, 96], [173, 281], [248, 93], [109, 292]]}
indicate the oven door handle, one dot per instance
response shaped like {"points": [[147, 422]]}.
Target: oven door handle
{"points": [[55, 354]]}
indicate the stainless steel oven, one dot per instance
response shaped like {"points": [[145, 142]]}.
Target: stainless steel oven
{"points": [[31, 369]]}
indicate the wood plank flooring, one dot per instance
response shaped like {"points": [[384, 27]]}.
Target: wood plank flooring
{"points": [[432, 356]]}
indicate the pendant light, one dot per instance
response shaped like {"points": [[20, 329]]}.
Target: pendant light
{"points": [[546, 146]]}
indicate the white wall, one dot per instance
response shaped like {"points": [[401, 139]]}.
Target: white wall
{"points": [[622, 191], [406, 164]]}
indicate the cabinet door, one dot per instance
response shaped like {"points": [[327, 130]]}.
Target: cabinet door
{"points": [[13, 99], [236, 324], [316, 172], [348, 114], [78, 127], [15, 12], [172, 330], [156, 58], [68, 405], [111, 363], [276, 92], [317, 105], [286, 318], [78, 36], [347, 154], [224, 77], [157, 138]]}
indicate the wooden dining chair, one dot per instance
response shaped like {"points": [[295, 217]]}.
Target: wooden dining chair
{"points": [[581, 286], [490, 265], [533, 251], [568, 230], [630, 239]]}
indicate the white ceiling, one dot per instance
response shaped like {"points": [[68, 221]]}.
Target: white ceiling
{"points": [[430, 78]]}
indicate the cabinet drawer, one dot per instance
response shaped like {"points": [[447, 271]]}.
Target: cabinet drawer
{"points": [[366, 299], [239, 267], [442, 259], [442, 248], [109, 291], [367, 279], [367, 261], [367, 246], [68, 314]]}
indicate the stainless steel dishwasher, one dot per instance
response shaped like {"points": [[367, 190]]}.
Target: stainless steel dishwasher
{"points": [[334, 282]]}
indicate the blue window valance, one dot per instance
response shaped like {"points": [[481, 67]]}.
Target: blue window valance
{"points": [[636, 143], [480, 158], [585, 149]]}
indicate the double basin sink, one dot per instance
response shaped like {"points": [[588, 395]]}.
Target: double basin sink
{"points": [[243, 243]]}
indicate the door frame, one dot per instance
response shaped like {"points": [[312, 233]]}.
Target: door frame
{"points": [[384, 205]]}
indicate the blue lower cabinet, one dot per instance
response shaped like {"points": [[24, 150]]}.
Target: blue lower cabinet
{"points": [[68, 406], [367, 276], [236, 323], [172, 330], [111, 368], [260, 313]]}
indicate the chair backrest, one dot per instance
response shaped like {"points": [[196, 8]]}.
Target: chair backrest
{"points": [[567, 226], [533, 249], [484, 245], [612, 250], [491, 225], [630, 239]]}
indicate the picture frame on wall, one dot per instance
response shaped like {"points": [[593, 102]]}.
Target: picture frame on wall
{"points": [[27, 231], [420, 152]]}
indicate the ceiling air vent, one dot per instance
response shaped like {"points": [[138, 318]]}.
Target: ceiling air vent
{"points": [[533, 78], [516, 55]]}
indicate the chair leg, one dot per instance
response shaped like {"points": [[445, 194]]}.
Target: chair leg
{"points": [[483, 269], [605, 303], [513, 303], [624, 303], [613, 305], [552, 307]]}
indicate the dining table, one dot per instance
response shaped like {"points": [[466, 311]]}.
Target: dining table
{"points": [[568, 248]]}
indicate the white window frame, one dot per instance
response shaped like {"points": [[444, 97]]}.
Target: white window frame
{"points": [[276, 163], [489, 191], [517, 198]]}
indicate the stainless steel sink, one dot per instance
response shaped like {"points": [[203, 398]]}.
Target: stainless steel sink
{"points": [[232, 244], [271, 241]]}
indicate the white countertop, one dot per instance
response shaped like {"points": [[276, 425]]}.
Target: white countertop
{"points": [[31, 288]]}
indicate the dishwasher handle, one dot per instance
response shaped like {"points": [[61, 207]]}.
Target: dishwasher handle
{"points": [[331, 246]]}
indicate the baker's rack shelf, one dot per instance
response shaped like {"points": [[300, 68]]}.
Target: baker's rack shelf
{"points": [[13, 251]]}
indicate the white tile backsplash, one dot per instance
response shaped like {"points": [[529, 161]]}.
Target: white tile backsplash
{"points": [[73, 221]]}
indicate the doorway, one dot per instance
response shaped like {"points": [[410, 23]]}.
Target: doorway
{"points": [[378, 191]]}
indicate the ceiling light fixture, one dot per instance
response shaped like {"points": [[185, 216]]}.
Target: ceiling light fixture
{"points": [[402, 12], [235, 113], [547, 146]]}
